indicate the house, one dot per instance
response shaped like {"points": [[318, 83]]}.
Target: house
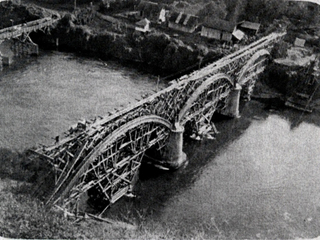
{"points": [[215, 28], [249, 28], [238, 35], [183, 22], [149, 10], [143, 25]]}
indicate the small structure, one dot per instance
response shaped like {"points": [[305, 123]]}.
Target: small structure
{"points": [[301, 68], [238, 35], [249, 28], [219, 29], [299, 42], [149, 10], [143, 26], [162, 16], [183, 22]]}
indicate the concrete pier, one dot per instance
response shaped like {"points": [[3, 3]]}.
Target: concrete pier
{"points": [[173, 154], [27, 48], [7, 60], [232, 108]]}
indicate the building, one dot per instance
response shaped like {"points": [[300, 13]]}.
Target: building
{"points": [[215, 28], [249, 28], [149, 10], [183, 22], [143, 25], [162, 16]]}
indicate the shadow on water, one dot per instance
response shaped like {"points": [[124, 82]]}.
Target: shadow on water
{"points": [[293, 116]]}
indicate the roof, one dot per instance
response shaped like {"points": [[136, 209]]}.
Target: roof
{"points": [[311, 1], [250, 25], [146, 4], [173, 16], [143, 22], [238, 34], [299, 42], [150, 9], [183, 19], [219, 24]]}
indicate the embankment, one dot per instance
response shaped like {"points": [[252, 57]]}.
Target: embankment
{"points": [[156, 51]]}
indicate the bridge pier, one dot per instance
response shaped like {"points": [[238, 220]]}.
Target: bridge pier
{"points": [[233, 102], [173, 155], [24, 48]]}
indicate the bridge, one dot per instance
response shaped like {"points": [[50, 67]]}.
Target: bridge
{"points": [[26, 28], [99, 159], [22, 43]]}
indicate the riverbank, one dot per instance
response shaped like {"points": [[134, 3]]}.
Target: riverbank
{"points": [[23, 216], [156, 51]]}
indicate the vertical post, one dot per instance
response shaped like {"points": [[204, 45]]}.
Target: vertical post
{"points": [[1, 64], [173, 154], [57, 43], [232, 108]]}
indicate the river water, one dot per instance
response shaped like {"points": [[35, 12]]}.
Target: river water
{"points": [[258, 179], [42, 97]]}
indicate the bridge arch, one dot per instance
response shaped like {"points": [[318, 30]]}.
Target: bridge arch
{"points": [[109, 170], [251, 70], [211, 95]]}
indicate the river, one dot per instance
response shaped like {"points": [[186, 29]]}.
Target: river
{"points": [[258, 179], [42, 97]]}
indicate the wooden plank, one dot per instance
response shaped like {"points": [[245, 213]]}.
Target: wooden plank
{"points": [[42, 155], [71, 165], [119, 194], [123, 162]]}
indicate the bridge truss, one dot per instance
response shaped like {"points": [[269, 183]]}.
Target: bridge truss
{"points": [[100, 158]]}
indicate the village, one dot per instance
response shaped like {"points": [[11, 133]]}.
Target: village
{"points": [[211, 28], [175, 20]]}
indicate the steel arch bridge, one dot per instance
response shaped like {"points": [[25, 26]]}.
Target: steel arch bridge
{"points": [[100, 158]]}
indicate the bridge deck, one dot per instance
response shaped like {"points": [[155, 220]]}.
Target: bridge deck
{"points": [[25, 28]]}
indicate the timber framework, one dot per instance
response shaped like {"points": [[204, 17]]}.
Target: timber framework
{"points": [[100, 158]]}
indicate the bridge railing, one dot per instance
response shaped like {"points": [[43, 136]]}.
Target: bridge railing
{"points": [[17, 30]]}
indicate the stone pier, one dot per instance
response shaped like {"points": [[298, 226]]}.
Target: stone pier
{"points": [[173, 156], [25, 48], [232, 108]]}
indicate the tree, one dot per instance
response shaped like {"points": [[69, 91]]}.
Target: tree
{"points": [[214, 8], [265, 11]]}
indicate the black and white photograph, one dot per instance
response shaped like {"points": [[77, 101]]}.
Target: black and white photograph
{"points": [[160, 119]]}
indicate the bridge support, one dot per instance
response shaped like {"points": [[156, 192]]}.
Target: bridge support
{"points": [[173, 155], [24, 48], [232, 108]]}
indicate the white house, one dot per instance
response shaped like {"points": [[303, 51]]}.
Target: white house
{"points": [[143, 25]]}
